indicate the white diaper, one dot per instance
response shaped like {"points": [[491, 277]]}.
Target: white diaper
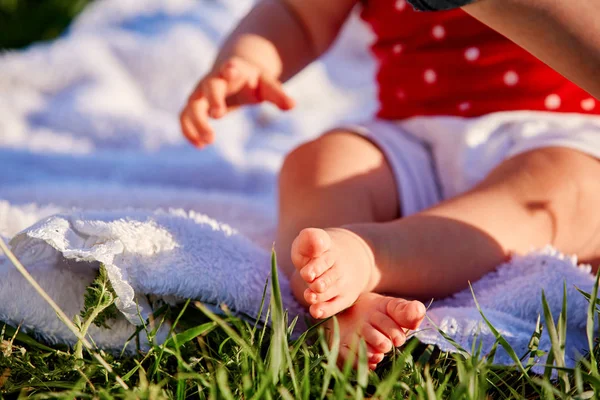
{"points": [[435, 158]]}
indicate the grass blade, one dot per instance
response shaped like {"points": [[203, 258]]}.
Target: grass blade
{"points": [[223, 383], [590, 325], [534, 343], [190, 334], [332, 355], [504, 343], [24, 338], [63, 317], [557, 343], [230, 332]]}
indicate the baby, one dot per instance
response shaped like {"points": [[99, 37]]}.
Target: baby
{"points": [[471, 158]]}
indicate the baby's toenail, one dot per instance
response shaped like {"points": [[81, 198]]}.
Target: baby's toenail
{"points": [[420, 307], [320, 313], [311, 276]]}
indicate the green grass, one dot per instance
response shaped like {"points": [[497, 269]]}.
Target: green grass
{"points": [[26, 21], [224, 357]]}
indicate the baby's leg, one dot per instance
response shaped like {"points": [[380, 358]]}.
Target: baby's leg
{"points": [[544, 196], [338, 179]]}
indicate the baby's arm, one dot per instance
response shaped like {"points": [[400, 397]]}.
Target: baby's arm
{"points": [[270, 45], [563, 34], [283, 36]]}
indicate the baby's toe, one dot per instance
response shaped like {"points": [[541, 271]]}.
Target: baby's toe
{"points": [[388, 327], [309, 243], [327, 281], [328, 308], [376, 339], [407, 314], [313, 298], [374, 356], [317, 267]]}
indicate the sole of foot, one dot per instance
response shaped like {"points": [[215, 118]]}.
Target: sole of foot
{"points": [[334, 265], [382, 322]]}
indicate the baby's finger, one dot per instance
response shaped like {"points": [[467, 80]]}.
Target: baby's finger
{"points": [[188, 128], [215, 91], [229, 71], [196, 93], [238, 73], [272, 91], [199, 117]]}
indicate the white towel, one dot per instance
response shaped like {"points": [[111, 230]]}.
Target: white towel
{"points": [[172, 255], [177, 255], [89, 131], [511, 299]]}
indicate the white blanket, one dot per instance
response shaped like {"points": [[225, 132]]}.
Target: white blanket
{"points": [[89, 131]]}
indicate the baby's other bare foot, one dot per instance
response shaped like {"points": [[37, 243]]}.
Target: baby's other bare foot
{"points": [[336, 266], [383, 323]]}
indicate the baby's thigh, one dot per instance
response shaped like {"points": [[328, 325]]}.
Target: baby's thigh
{"points": [[344, 172]]}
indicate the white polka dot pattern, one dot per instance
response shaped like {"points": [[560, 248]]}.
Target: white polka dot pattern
{"points": [[430, 76], [472, 54], [552, 101], [588, 104], [464, 106], [438, 32], [511, 78], [450, 64]]}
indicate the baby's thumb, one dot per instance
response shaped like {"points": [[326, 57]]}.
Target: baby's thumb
{"points": [[272, 91]]}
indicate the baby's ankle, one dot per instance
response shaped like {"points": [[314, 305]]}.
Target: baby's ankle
{"points": [[364, 237]]}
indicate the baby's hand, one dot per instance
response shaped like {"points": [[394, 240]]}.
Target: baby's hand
{"points": [[236, 83]]}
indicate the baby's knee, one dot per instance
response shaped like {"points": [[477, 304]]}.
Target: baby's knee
{"points": [[331, 158], [562, 182], [312, 164], [565, 173], [298, 164], [548, 174]]}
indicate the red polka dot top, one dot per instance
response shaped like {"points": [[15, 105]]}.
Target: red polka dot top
{"points": [[448, 63]]}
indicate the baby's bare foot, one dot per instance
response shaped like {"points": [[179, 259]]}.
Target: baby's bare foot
{"points": [[336, 265], [381, 321]]}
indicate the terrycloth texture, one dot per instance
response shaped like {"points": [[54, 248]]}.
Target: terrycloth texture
{"points": [[176, 255], [172, 255], [89, 131], [510, 298]]}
